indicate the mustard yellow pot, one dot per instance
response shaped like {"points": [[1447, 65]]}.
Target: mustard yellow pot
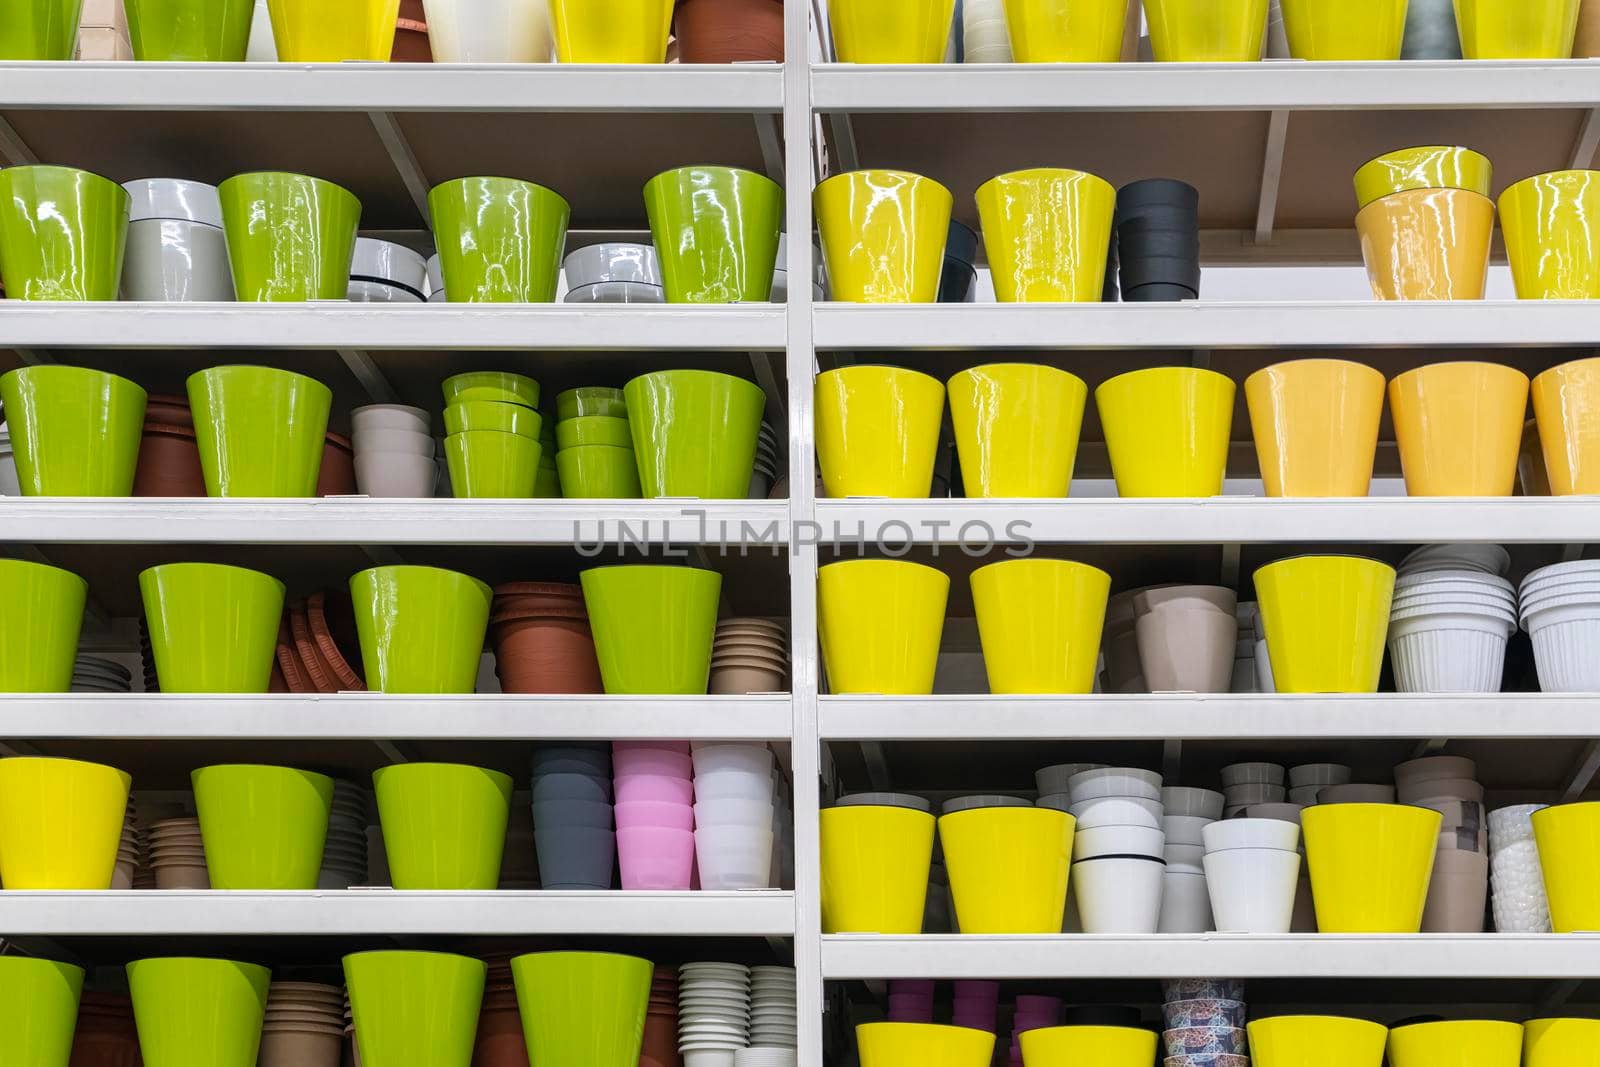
{"points": [[1206, 31], [1167, 430], [1568, 837], [1046, 233], [1433, 166], [1517, 29], [890, 31], [1039, 622], [1551, 224], [1066, 31], [1316, 1041], [1344, 29], [883, 234], [1532, 477], [1008, 868], [1325, 619], [1427, 244], [1459, 427], [1016, 428], [923, 1045], [316, 31], [1561, 1043], [1566, 410], [1102, 1046], [612, 31], [1316, 426], [880, 622], [875, 864], [1370, 865], [1462, 1043], [877, 431]]}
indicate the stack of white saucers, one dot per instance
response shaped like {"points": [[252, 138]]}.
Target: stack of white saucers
{"points": [[772, 1008], [713, 1013], [1448, 626], [1560, 609]]}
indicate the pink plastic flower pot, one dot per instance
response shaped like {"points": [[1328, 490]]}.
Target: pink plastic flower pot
{"points": [[655, 857]]}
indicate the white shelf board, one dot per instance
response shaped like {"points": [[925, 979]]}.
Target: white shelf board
{"points": [[1207, 955], [1202, 716], [321, 717], [763, 913]]}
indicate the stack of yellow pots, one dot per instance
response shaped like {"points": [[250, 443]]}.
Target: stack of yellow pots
{"points": [[1425, 220]]}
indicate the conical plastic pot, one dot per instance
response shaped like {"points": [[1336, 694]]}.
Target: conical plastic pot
{"points": [[1568, 838], [1370, 865], [500, 239], [694, 432], [875, 864], [261, 431], [1427, 244], [291, 237], [1203, 31], [891, 31], [883, 233], [620, 31], [60, 822], [1316, 426], [716, 233], [1459, 427], [198, 1011], [41, 613], [213, 628], [1016, 429], [1325, 619], [1167, 429], [189, 31], [1464, 1042], [1046, 232], [444, 824], [313, 31], [264, 827], [877, 431], [501, 31], [491, 464], [1316, 1041], [63, 232], [39, 1011], [414, 1008], [40, 29], [880, 622], [1561, 1043], [1548, 222], [1322, 30], [653, 627], [1517, 29], [1066, 31], [1039, 622], [76, 432], [421, 628], [1566, 406], [582, 1009]]}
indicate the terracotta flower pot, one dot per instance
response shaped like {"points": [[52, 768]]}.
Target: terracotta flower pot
{"points": [[337, 476], [729, 31], [545, 655], [169, 462], [411, 35], [333, 630], [317, 669], [166, 410], [500, 1040]]}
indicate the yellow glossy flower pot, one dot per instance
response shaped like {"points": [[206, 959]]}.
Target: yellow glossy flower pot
{"points": [[1016, 428], [1046, 232], [1316, 1041], [1433, 166], [875, 864], [1464, 1043], [881, 620], [1370, 865], [1344, 29], [883, 234], [1326, 619], [1008, 868], [1206, 31], [1167, 430], [1316, 426], [923, 1045], [315, 31], [1566, 408], [1075, 1046], [877, 431], [1459, 426], [1517, 29], [1427, 244], [615, 31], [1039, 621], [1066, 31], [1551, 225], [1568, 836], [60, 822], [1561, 1043], [890, 31]]}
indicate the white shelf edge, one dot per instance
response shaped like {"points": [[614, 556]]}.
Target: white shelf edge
{"points": [[1207, 955], [360, 716], [764, 913]]}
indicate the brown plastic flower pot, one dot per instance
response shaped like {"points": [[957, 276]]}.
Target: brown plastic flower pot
{"points": [[162, 409], [729, 31], [169, 463], [545, 656], [327, 614], [337, 475], [660, 1044], [294, 675], [411, 35], [500, 1039], [745, 680]]}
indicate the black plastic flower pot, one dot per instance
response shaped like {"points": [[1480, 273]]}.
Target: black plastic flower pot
{"points": [[1158, 294], [1153, 270]]}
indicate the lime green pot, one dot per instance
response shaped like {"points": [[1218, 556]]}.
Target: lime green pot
{"points": [[63, 232], [500, 240], [594, 430], [498, 415], [213, 628], [198, 1012], [263, 827], [582, 1009], [444, 824], [261, 431], [716, 231], [189, 31], [653, 626], [290, 237], [421, 628], [41, 612], [590, 400], [497, 386], [547, 484], [39, 1011], [694, 433], [75, 431], [39, 29], [598, 472], [414, 1009], [489, 464]]}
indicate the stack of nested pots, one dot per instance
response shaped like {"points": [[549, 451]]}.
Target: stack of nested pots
{"points": [[1118, 849], [97, 674], [500, 1041], [1425, 218], [733, 815], [9, 485], [435, 271], [169, 458], [176, 248], [130, 854], [178, 854], [614, 273], [749, 655], [1187, 638], [519, 863], [1244, 784], [337, 475], [911, 1000], [105, 1034], [713, 1011], [344, 851], [393, 451], [572, 815], [303, 1025], [1158, 241], [1450, 621], [959, 280], [655, 838], [1185, 813], [382, 272], [1560, 608], [1031, 1013], [1515, 874], [767, 470], [546, 483], [541, 639], [660, 1045], [492, 426], [318, 648], [976, 1005], [1252, 870], [1459, 887], [594, 441]]}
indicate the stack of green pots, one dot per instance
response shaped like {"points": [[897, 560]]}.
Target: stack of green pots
{"points": [[595, 445], [547, 483], [493, 430]]}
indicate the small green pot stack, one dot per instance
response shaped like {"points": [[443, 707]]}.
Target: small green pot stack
{"points": [[547, 483], [595, 445], [492, 435]]}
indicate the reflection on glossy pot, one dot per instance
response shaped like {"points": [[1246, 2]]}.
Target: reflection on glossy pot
{"points": [[890, 31], [1551, 224], [1566, 407], [62, 233], [1427, 244], [1167, 430], [76, 431], [1316, 426], [41, 614], [500, 240], [1016, 428], [1459, 427], [694, 432], [1433, 166], [421, 628], [883, 235], [716, 233], [189, 31], [1325, 619], [877, 431], [1046, 232], [290, 237]]}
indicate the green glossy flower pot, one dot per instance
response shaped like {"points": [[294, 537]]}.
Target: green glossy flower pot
{"points": [[38, 1012], [39, 29], [198, 1012], [414, 1009], [76, 431], [421, 628], [716, 231], [63, 232], [582, 1009], [590, 400], [263, 827], [500, 240], [497, 415], [594, 430], [41, 612], [290, 237], [694, 433], [213, 628], [653, 626], [489, 464], [547, 484], [598, 472], [444, 824], [496, 386], [261, 431], [189, 31]]}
